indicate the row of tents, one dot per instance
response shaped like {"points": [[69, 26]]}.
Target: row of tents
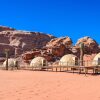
{"points": [[66, 60]]}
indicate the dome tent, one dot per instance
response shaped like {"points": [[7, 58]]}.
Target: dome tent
{"points": [[11, 63], [96, 60], [68, 60], [38, 62]]}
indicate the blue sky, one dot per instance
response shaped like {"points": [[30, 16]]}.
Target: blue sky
{"points": [[73, 18]]}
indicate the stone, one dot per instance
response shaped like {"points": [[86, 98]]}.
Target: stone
{"points": [[23, 40], [59, 46], [3, 47], [30, 55], [90, 45], [57, 41]]}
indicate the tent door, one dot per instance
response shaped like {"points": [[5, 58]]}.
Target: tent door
{"points": [[98, 61]]}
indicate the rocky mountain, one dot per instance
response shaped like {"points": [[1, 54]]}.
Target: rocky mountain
{"points": [[33, 44], [53, 50], [22, 40], [58, 41], [90, 45]]}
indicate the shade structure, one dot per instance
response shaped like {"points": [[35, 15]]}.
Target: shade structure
{"points": [[38, 62], [68, 60], [96, 60], [11, 63]]}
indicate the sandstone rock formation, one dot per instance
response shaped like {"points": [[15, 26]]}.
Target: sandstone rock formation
{"points": [[34, 44], [59, 50], [10, 39], [90, 45], [57, 41], [49, 57], [53, 50], [36, 53], [6, 46], [88, 59], [59, 46], [30, 55]]}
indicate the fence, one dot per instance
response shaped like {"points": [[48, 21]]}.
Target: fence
{"points": [[71, 66]]}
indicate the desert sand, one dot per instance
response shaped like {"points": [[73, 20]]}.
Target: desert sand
{"points": [[39, 85]]}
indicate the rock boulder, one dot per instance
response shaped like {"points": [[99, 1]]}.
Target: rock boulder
{"points": [[90, 45], [57, 41]]}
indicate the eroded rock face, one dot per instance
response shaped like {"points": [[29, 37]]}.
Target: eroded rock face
{"points": [[26, 40], [6, 46], [30, 55], [90, 45], [59, 46], [23, 40], [88, 59], [60, 50], [57, 41]]}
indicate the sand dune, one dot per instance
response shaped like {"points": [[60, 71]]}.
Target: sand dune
{"points": [[30, 85]]}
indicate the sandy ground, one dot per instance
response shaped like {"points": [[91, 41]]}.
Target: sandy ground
{"points": [[30, 85]]}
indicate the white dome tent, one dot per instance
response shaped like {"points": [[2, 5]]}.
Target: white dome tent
{"points": [[68, 60], [96, 60], [38, 62], [11, 63]]}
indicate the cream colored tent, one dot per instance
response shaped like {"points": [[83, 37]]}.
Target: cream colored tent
{"points": [[96, 60], [11, 63], [38, 62], [68, 60]]}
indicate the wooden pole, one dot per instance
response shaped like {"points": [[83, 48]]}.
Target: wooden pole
{"points": [[81, 53], [7, 51]]}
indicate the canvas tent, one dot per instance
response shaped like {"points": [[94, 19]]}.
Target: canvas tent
{"points": [[96, 60], [38, 62], [69, 60]]}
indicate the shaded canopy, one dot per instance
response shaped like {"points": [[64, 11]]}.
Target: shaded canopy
{"points": [[38, 62], [11, 62], [96, 60], [68, 60]]}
